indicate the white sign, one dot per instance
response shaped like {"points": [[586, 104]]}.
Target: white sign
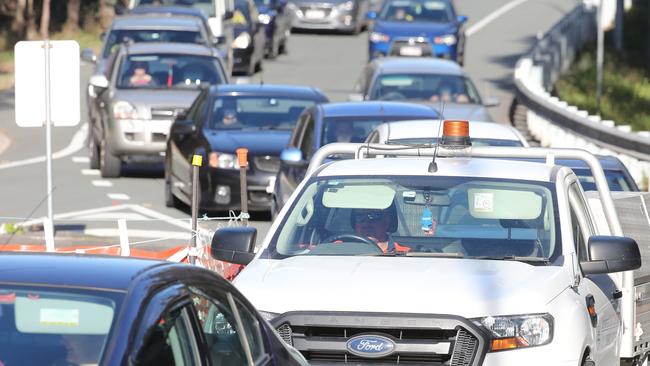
{"points": [[30, 83]]}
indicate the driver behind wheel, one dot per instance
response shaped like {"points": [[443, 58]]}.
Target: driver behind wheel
{"points": [[376, 224]]}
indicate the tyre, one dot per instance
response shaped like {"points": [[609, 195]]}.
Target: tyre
{"points": [[170, 200], [94, 153], [110, 166]]}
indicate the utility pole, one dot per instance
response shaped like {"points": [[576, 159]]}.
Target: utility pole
{"points": [[599, 55]]}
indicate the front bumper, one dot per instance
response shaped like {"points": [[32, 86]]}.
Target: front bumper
{"points": [[220, 189], [324, 18], [534, 356], [414, 48], [137, 137]]}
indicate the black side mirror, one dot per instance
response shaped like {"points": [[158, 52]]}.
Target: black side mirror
{"points": [[182, 126], [234, 244], [609, 254], [228, 14]]}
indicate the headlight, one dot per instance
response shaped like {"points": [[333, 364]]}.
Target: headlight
{"points": [[124, 110], [242, 41], [264, 18], [347, 6], [223, 161], [519, 331], [378, 37], [448, 39], [267, 315]]}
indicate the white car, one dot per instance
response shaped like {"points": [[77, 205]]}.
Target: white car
{"points": [[426, 132], [460, 259]]}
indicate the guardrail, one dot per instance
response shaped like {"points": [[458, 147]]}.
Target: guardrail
{"points": [[555, 123]]}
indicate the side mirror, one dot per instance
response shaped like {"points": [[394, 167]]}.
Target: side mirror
{"points": [[88, 55], [609, 254], [292, 156], [98, 81], [356, 97], [371, 15], [234, 244], [228, 14], [491, 102], [182, 127], [462, 19]]}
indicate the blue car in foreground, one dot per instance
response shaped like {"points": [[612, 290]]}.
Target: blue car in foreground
{"points": [[417, 28]]}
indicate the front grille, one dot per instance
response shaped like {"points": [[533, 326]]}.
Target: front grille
{"points": [[167, 113], [423, 45], [267, 163], [418, 340]]}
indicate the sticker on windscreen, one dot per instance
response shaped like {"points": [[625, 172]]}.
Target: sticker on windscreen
{"points": [[483, 202]]}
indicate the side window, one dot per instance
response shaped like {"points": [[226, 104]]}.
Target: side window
{"points": [[294, 141], [170, 342], [229, 330], [307, 143], [374, 137], [580, 221], [200, 110]]}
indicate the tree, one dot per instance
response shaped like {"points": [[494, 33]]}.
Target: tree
{"points": [[18, 25], [106, 13], [45, 20], [72, 16]]}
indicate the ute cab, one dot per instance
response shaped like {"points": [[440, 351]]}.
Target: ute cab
{"points": [[444, 255]]}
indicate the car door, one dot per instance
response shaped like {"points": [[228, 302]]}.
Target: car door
{"points": [[232, 332], [184, 145], [597, 289]]}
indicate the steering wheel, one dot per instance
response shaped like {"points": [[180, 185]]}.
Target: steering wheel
{"points": [[393, 96], [353, 237]]}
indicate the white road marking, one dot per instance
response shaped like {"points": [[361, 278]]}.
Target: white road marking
{"points": [[81, 159], [154, 234], [102, 183], [118, 196], [492, 16], [90, 171], [76, 144]]}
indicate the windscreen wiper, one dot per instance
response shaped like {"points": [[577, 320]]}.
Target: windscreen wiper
{"points": [[513, 258], [424, 254]]}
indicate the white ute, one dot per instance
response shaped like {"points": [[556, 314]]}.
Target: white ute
{"points": [[462, 259]]}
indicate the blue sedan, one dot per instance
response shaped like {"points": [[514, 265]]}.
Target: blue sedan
{"points": [[417, 28]]}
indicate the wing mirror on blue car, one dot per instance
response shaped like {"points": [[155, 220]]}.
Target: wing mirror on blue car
{"points": [[462, 19], [292, 156], [371, 15]]}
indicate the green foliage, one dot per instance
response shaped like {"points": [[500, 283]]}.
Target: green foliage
{"points": [[10, 228]]}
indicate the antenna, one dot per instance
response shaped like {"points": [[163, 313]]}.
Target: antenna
{"points": [[433, 167]]}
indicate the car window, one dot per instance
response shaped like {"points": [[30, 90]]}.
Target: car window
{"points": [[263, 113], [168, 71], [171, 341], [430, 87], [463, 216], [348, 129], [307, 140], [231, 332], [437, 11], [118, 36], [616, 180]]}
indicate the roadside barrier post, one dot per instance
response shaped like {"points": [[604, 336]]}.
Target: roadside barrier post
{"points": [[197, 161], [242, 158]]}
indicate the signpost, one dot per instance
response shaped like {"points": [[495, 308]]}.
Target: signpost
{"points": [[44, 98]]}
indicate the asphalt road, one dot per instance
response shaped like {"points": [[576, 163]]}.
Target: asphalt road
{"points": [[86, 204]]}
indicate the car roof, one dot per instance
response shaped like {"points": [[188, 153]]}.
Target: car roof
{"points": [[171, 10], [461, 167], [429, 129], [173, 48], [358, 109], [78, 270], [267, 90], [417, 65], [157, 21]]}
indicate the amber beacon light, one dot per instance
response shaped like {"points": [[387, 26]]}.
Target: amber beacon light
{"points": [[455, 134]]}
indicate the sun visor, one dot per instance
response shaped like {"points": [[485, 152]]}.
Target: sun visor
{"points": [[499, 204], [375, 197]]}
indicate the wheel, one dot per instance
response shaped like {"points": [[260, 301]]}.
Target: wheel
{"points": [[94, 153], [109, 165], [170, 200]]}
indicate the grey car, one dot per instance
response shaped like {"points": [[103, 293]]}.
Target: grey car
{"points": [[423, 80], [146, 87], [339, 15]]}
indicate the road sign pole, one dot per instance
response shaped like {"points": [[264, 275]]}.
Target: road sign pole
{"points": [[197, 161], [48, 130]]}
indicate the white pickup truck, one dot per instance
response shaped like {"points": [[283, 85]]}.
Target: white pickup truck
{"points": [[465, 259]]}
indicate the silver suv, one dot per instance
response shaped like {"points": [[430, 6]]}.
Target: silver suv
{"points": [[146, 86]]}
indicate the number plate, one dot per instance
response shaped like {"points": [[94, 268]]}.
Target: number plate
{"points": [[314, 14], [410, 51]]}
